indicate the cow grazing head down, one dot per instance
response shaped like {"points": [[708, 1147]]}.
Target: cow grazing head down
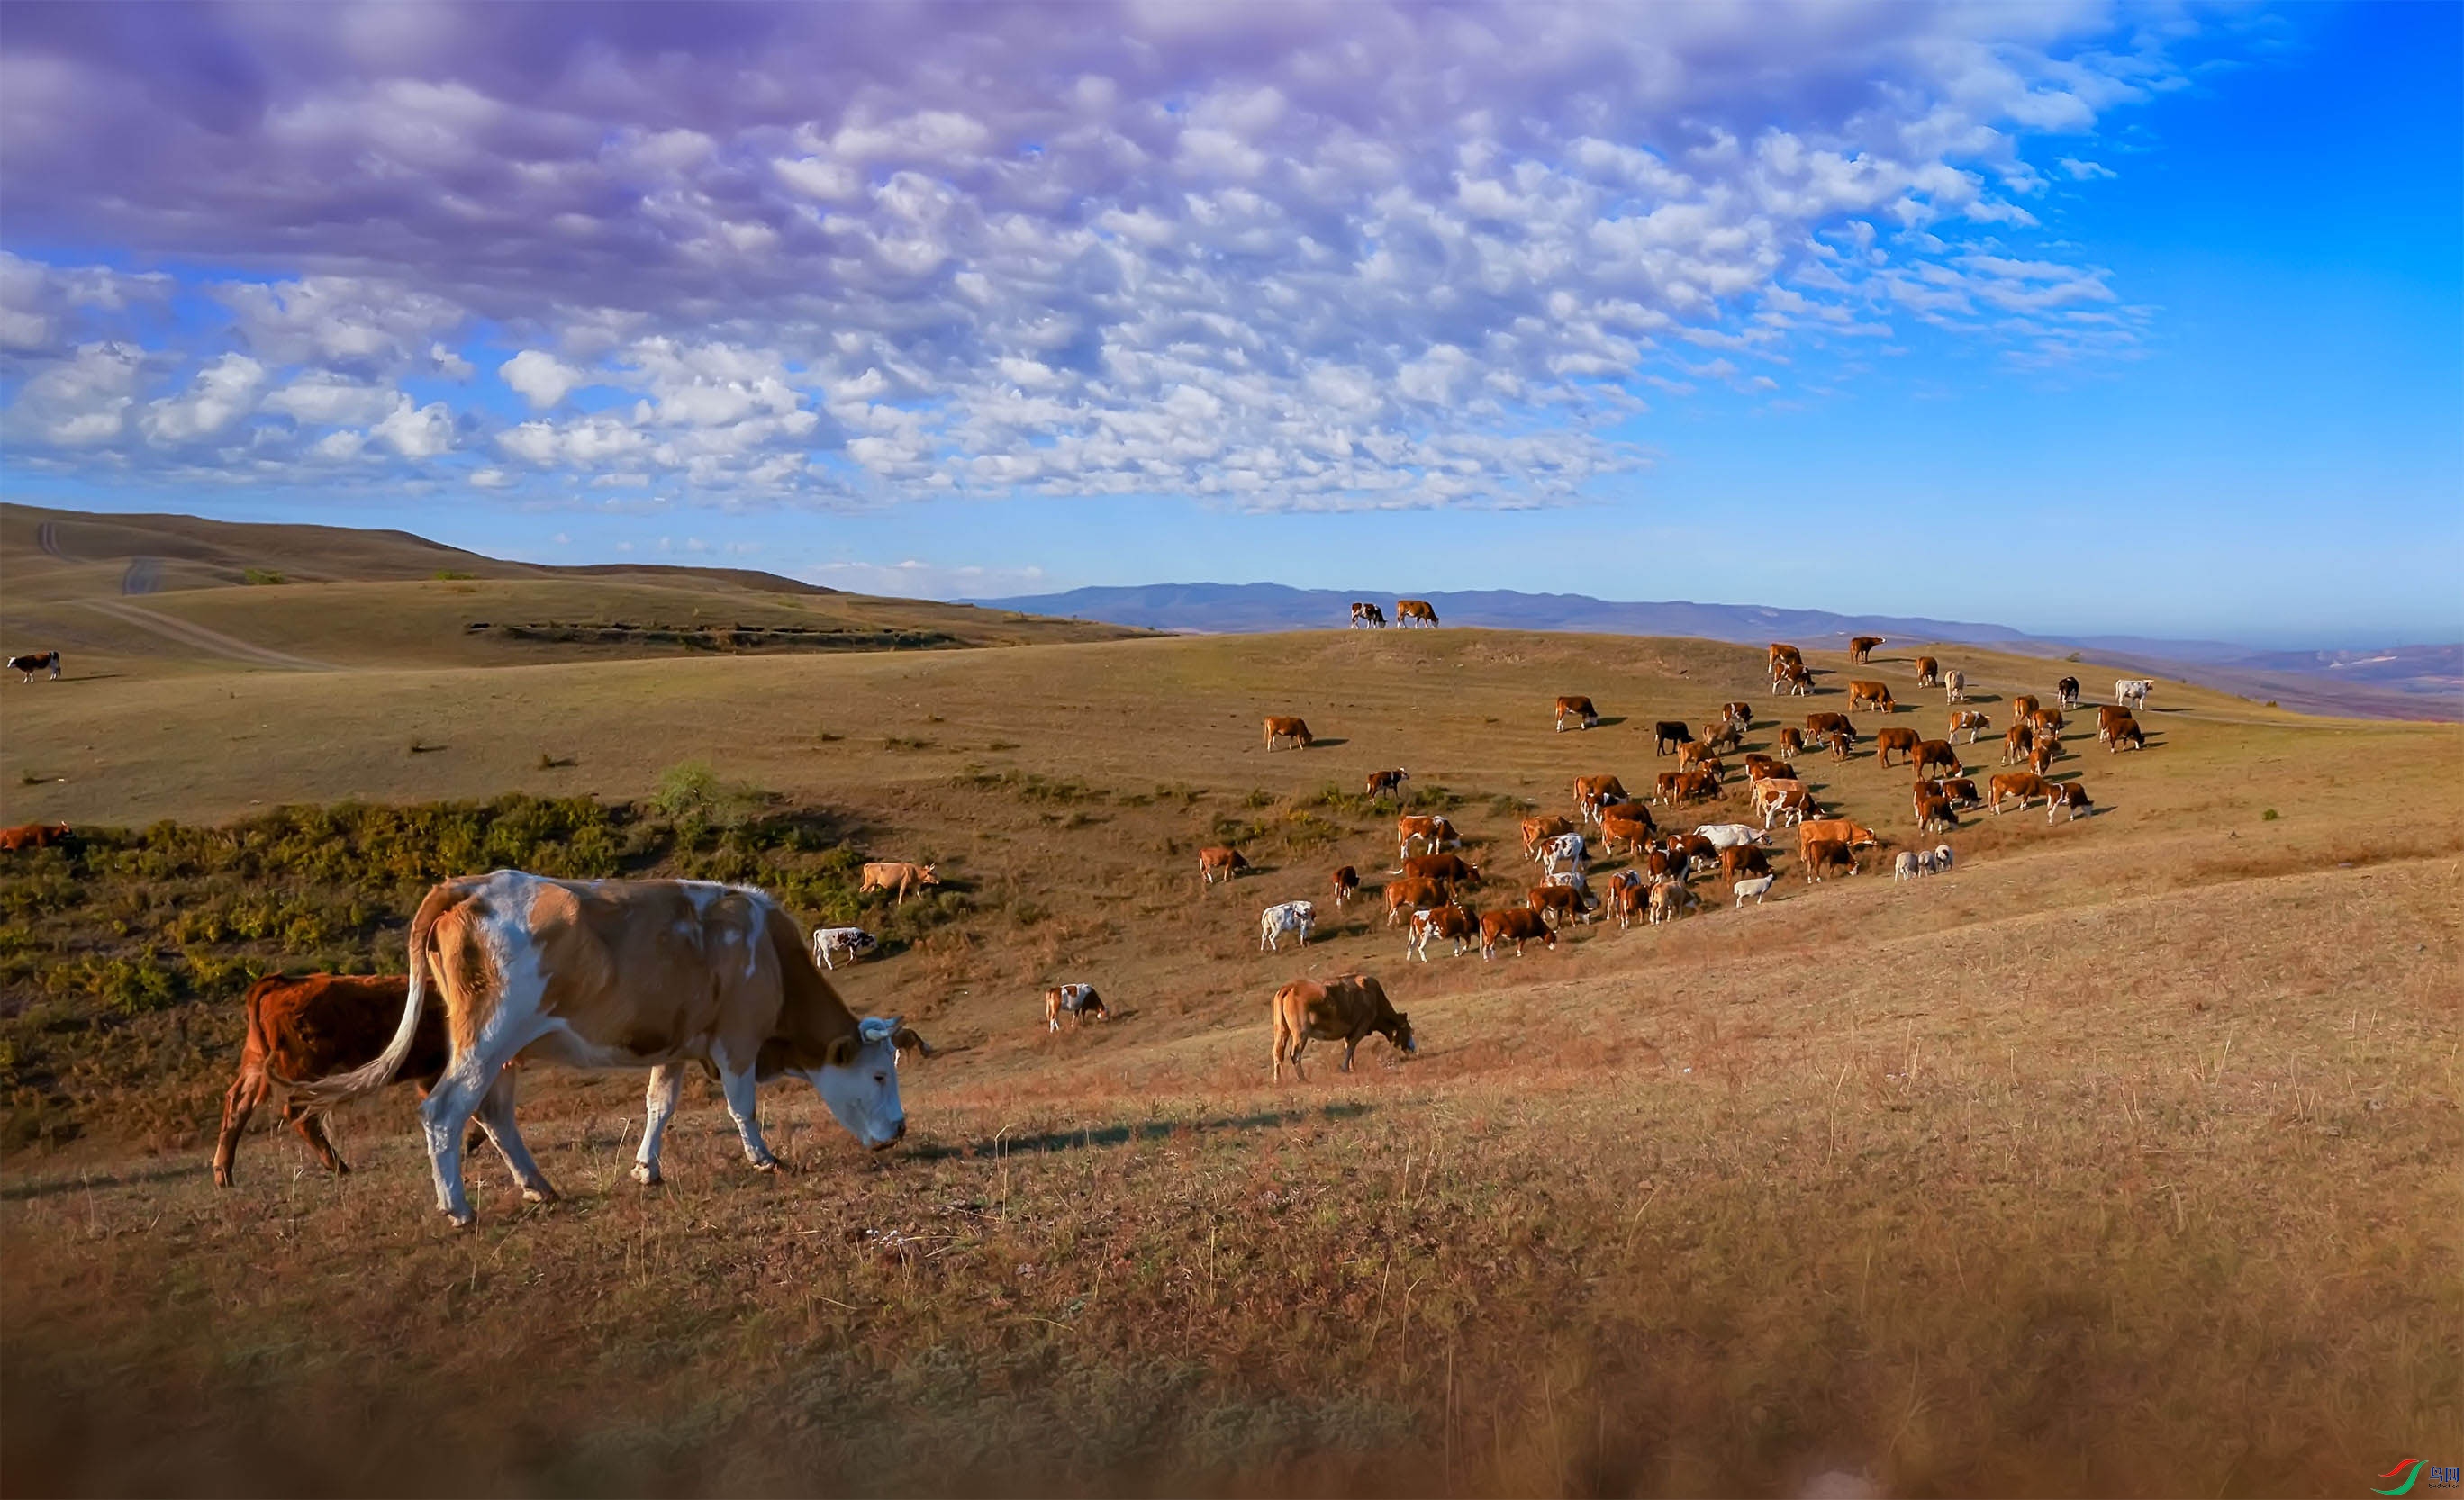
{"points": [[859, 1082]]}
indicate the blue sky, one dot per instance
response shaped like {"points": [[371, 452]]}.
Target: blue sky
{"points": [[2074, 317]]}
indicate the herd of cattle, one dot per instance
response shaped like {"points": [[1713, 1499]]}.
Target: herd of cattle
{"points": [[510, 969]]}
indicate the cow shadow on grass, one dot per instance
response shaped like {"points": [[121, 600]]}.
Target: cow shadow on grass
{"points": [[1322, 742], [1100, 1138], [1609, 721]]}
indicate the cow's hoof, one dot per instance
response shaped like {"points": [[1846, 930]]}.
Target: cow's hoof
{"points": [[461, 1220], [646, 1174], [538, 1195], [768, 1164]]}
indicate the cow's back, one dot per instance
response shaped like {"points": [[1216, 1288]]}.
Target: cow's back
{"points": [[310, 1026]]}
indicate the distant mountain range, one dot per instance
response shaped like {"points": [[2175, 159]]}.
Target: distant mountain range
{"points": [[2423, 682]]}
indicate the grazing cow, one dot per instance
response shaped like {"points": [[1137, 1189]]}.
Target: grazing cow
{"points": [[1722, 736], [1941, 858], [1860, 648], [1347, 884], [2024, 708], [1345, 1010], [1784, 656], [1904, 741], [309, 1026], [1414, 611], [1410, 894], [1560, 902], [890, 876], [2049, 721], [1825, 856], [1670, 734], [1758, 887], [1789, 804], [1731, 836], [1796, 678], [1452, 921], [1578, 708], [1450, 870], [2108, 715], [1934, 815], [1630, 825], [623, 974], [1078, 1002], [1628, 898], [1933, 753], [1537, 831], [1971, 720], [2129, 692], [1366, 615], [2025, 785], [1671, 899], [2072, 798], [1820, 724], [2016, 741], [1388, 783], [1842, 830], [1515, 925], [1676, 788], [32, 836], [1698, 756], [1285, 727], [2124, 731], [1291, 917], [39, 661], [1872, 695], [1925, 789], [1906, 866], [1433, 831], [1792, 744], [1594, 793], [1763, 768], [1928, 672], [1693, 849], [1739, 712], [1842, 743], [1743, 860], [2066, 692], [1565, 852], [2040, 760], [1962, 792], [1954, 685], [1218, 862], [832, 943]]}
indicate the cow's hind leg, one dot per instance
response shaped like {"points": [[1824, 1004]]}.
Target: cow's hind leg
{"points": [[311, 1128], [741, 1105], [247, 1092], [659, 1101], [444, 1115], [496, 1117]]}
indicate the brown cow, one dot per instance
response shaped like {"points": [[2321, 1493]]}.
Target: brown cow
{"points": [[1670, 900], [2049, 721], [1456, 923], [1723, 736], [1846, 831], [1345, 1010], [1739, 861], [2023, 706], [34, 836], [1284, 726], [1928, 672], [1860, 648], [2125, 730], [1633, 831], [1934, 815], [1414, 611], [886, 874], [1537, 829], [1670, 734], [1560, 902], [1842, 743], [2072, 799], [1759, 767], [1904, 741], [1937, 753], [1219, 859], [1450, 870], [1792, 744], [1696, 755], [1628, 899], [2107, 714], [1593, 793], [1412, 893], [1972, 720], [1388, 783], [1578, 708], [1515, 925], [311, 1026], [2040, 760], [1823, 856], [1962, 792], [2016, 741], [1872, 695], [1434, 830], [1798, 681], [1818, 724], [2025, 785], [1739, 712], [1347, 884], [1783, 656]]}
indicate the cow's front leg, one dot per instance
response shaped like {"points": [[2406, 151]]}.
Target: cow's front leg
{"points": [[1349, 1048], [659, 1105], [742, 1100]]}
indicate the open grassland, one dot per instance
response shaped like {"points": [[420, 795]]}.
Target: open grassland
{"points": [[2124, 1159]]}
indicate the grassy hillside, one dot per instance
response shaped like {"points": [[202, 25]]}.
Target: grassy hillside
{"points": [[2123, 1159]]}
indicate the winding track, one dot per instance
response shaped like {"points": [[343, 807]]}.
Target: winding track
{"points": [[200, 638]]}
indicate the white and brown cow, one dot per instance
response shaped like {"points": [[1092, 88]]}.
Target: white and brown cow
{"points": [[890, 876], [1288, 729], [1971, 722], [1294, 918], [1432, 830], [1078, 1002], [1578, 708], [1364, 614], [37, 662], [1416, 612], [652, 974]]}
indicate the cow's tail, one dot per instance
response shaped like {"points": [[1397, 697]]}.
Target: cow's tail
{"points": [[380, 1071]]}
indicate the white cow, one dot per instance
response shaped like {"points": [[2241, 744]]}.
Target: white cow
{"points": [[831, 944], [1561, 854], [2131, 692], [1732, 835], [655, 974], [1292, 916]]}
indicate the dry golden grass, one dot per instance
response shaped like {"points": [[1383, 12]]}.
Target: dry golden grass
{"points": [[2122, 1160]]}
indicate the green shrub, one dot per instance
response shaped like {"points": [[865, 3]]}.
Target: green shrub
{"points": [[262, 576]]}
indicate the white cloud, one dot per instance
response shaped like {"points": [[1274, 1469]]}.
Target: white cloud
{"points": [[322, 397], [541, 379], [82, 399], [222, 393], [416, 431]]}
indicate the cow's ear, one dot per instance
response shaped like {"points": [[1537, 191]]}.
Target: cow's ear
{"points": [[840, 1053]]}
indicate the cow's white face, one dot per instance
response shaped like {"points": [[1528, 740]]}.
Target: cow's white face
{"points": [[863, 1092]]}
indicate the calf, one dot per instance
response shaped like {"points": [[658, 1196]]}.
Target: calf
{"points": [[1297, 917], [2108, 715], [313, 1026], [1347, 884], [1621, 828], [1515, 925], [1825, 857], [2040, 760], [1451, 922], [2025, 785], [1411, 894], [1671, 899], [1792, 744], [1565, 852], [1928, 672], [1220, 862], [2048, 721], [1937, 755], [1904, 741], [1971, 720], [1290, 730], [1795, 678], [1579, 710], [1670, 734], [1078, 1002], [1872, 695], [1758, 887], [832, 943], [887, 875], [1388, 783], [2071, 799], [1723, 737], [1560, 902], [32, 836], [1697, 756], [1954, 685], [1842, 743], [1347, 1010]]}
